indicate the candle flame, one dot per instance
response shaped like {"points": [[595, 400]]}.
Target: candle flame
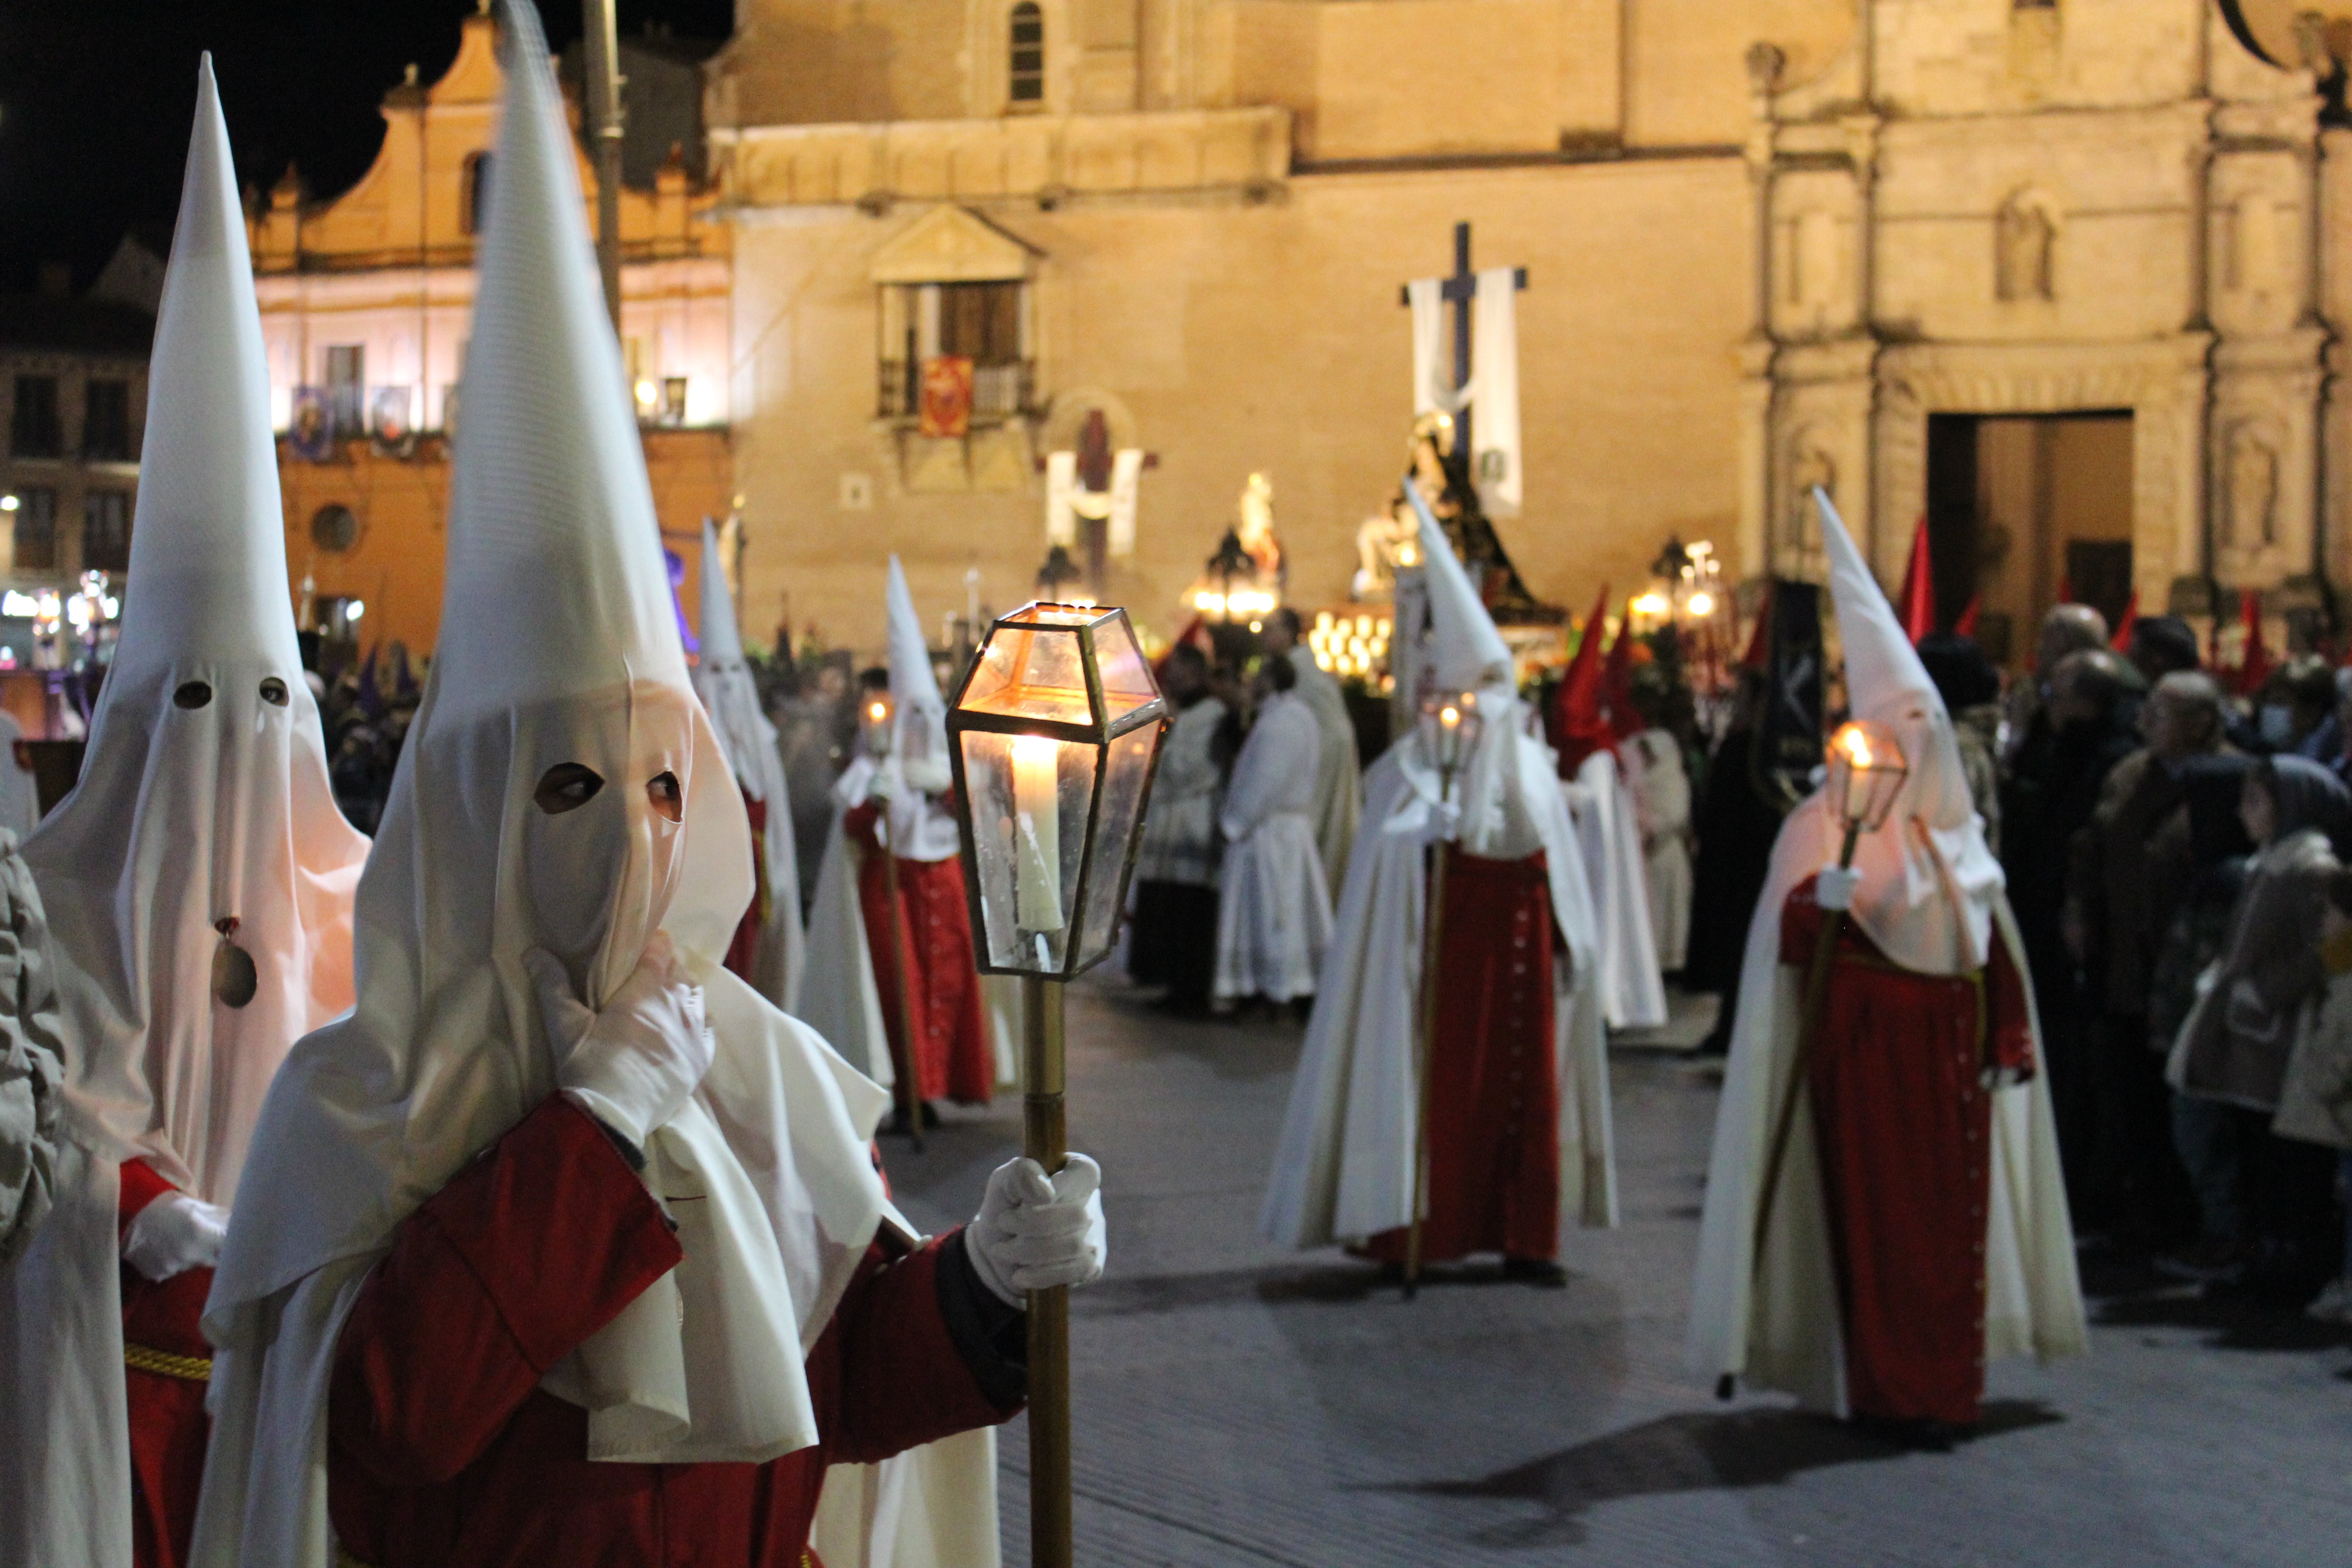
{"points": [[1450, 716], [1856, 746], [1701, 604], [879, 711], [1036, 751]]}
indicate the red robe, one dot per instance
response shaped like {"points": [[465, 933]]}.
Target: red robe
{"points": [[168, 1365], [743, 951], [1903, 1119], [954, 1059], [443, 1451], [1494, 1090]]}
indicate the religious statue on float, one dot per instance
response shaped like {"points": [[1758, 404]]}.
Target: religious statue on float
{"points": [[1253, 531], [1441, 472]]}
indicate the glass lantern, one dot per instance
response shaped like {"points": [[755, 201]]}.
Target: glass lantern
{"points": [[1449, 728], [1054, 737], [1866, 769]]}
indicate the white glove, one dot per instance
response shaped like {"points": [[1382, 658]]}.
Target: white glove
{"points": [[1835, 889], [1033, 1233], [173, 1234], [632, 1065]]}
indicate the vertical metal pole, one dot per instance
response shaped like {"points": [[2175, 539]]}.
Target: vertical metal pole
{"points": [[1046, 1141], [601, 62]]}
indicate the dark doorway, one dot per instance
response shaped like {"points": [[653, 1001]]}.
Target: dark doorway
{"points": [[2024, 511]]}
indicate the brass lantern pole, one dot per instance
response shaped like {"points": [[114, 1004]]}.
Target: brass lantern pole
{"points": [[1453, 718], [1866, 768], [1053, 736], [902, 1059]]}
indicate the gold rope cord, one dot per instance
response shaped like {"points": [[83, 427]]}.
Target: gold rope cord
{"points": [[195, 1369]]}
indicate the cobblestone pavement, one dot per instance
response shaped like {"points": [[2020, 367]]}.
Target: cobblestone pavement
{"points": [[1239, 1405]]}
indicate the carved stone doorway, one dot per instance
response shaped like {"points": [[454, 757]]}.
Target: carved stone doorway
{"points": [[2023, 509]]}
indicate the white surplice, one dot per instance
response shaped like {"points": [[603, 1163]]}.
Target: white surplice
{"points": [[1662, 802], [1633, 994], [1273, 909], [1339, 779]]}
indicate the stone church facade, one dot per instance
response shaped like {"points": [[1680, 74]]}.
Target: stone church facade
{"points": [[2059, 277]]}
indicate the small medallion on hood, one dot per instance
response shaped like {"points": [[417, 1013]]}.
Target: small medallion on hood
{"points": [[235, 980]]}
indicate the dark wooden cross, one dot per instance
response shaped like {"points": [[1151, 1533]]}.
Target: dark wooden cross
{"points": [[1460, 289]]}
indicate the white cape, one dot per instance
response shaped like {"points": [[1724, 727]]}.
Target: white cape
{"points": [[932, 1507], [1633, 994], [1344, 1169], [1662, 793], [1779, 1325]]}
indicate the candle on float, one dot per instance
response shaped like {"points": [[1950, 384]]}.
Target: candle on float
{"points": [[1037, 833]]}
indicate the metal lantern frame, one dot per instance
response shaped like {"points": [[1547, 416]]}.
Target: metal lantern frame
{"points": [[1099, 733]]}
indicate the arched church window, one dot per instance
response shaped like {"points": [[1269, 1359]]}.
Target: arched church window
{"points": [[474, 194], [1027, 77]]}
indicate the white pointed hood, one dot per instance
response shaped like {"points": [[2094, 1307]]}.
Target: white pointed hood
{"points": [[1930, 880], [559, 648], [919, 747], [204, 800], [730, 695], [205, 795], [1467, 651]]}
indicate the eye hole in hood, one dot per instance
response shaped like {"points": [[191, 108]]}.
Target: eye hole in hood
{"points": [[273, 691], [566, 786], [191, 694]]}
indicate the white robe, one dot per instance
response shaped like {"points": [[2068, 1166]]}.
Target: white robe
{"points": [[1779, 1326], [1339, 778], [1274, 910], [1662, 801], [20, 793], [1633, 994], [1344, 1169]]}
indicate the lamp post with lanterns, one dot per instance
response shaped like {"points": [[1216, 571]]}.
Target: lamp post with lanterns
{"points": [[1866, 769], [1054, 737]]}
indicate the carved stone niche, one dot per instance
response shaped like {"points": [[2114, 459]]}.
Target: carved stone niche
{"points": [[2025, 248]]}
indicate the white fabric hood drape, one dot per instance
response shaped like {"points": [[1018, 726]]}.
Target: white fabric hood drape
{"points": [[1929, 881], [1344, 1168], [732, 698], [558, 644], [189, 815]]}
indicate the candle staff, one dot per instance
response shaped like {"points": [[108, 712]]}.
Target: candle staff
{"points": [[1454, 722], [1053, 736]]}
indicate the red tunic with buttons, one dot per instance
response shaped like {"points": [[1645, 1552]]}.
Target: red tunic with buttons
{"points": [[1494, 1088], [167, 1364], [1902, 1113], [444, 1452], [954, 1059]]}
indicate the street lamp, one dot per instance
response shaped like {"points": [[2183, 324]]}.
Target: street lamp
{"points": [[1053, 737], [1866, 769], [1448, 729]]}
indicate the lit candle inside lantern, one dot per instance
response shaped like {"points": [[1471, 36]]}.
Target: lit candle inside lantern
{"points": [[1037, 833]]}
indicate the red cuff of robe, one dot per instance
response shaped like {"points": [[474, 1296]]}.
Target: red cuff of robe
{"points": [[501, 1274], [141, 1186], [904, 1380]]}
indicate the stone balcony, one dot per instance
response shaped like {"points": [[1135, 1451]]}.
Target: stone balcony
{"points": [[1243, 153]]}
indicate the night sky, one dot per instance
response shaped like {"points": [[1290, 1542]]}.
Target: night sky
{"points": [[96, 99]]}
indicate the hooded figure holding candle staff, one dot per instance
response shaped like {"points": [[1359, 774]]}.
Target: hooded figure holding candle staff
{"points": [[892, 866], [1453, 1098], [1884, 1210], [564, 1246]]}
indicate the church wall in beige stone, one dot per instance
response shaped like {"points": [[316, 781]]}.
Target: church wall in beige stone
{"points": [[1772, 243]]}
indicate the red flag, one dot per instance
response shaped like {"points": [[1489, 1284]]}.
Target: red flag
{"points": [[1917, 606], [1579, 730], [1967, 625], [2122, 642], [2255, 668], [1617, 683], [1759, 641]]}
